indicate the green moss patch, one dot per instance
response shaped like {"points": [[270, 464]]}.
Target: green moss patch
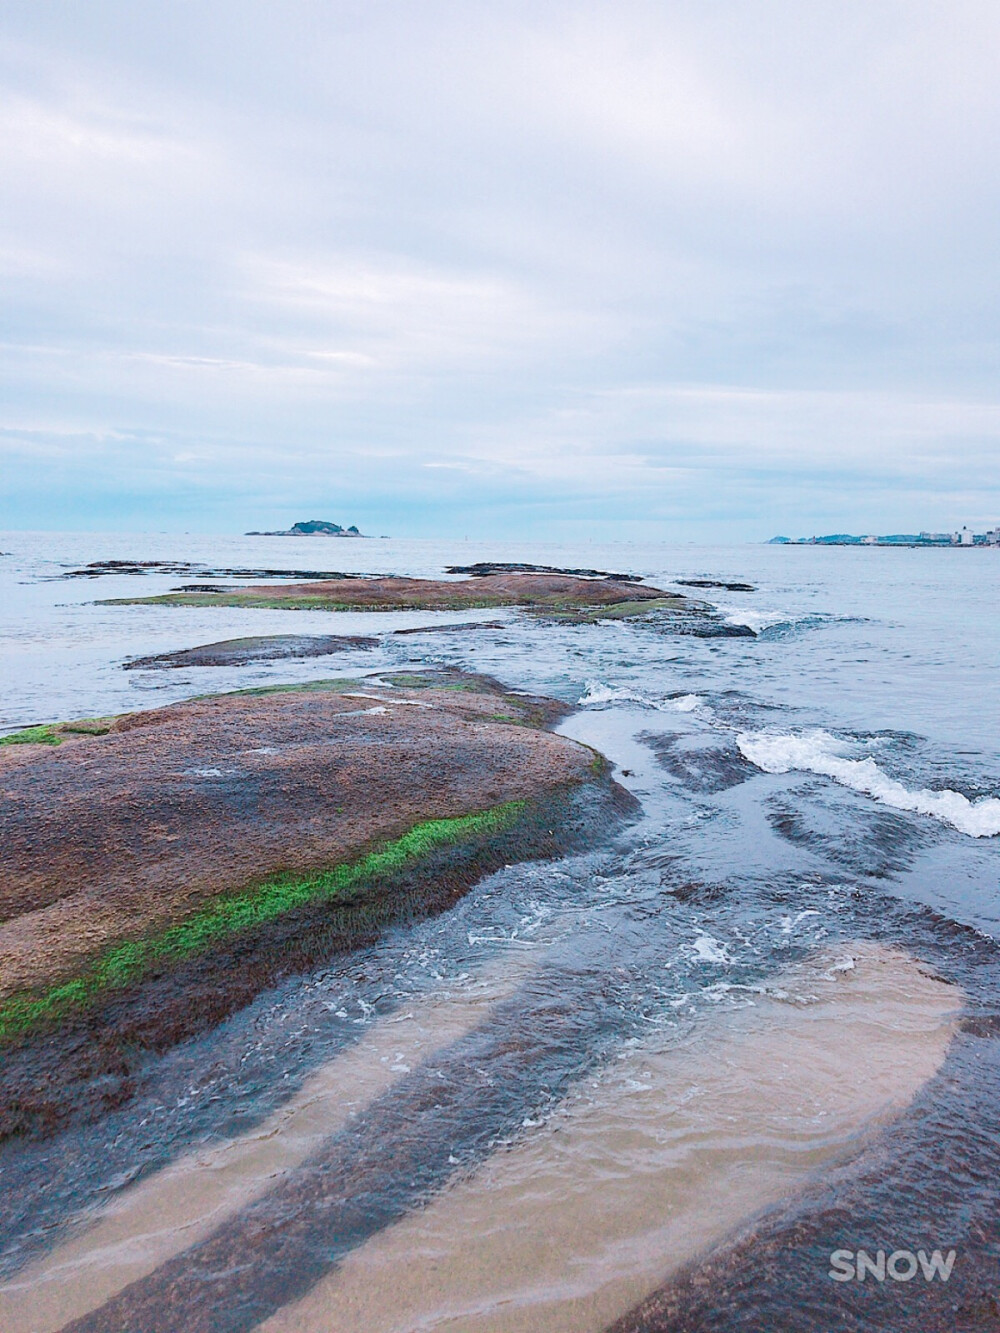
{"points": [[434, 681], [43, 735], [227, 916], [53, 733]]}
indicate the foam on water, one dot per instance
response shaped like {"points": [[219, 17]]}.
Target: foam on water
{"points": [[707, 949], [819, 752], [599, 693]]}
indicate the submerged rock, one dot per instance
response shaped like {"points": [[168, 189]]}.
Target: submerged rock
{"points": [[460, 628], [702, 766]]}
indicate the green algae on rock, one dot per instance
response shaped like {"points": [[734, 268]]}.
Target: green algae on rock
{"points": [[55, 733], [129, 961]]}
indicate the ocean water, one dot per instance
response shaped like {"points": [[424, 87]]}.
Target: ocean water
{"points": [[823, 792]]}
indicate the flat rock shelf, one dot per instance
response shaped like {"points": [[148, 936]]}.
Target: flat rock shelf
{"points": [[563, 595], [225, 842], [257, 648]]}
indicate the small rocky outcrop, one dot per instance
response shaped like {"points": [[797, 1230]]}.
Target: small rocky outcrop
{"points": [[263, 648], [312, 527]]}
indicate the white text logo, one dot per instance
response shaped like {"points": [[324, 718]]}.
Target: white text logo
{"points": [[899, 1266]]}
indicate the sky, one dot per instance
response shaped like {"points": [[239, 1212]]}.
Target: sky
{"points": [[695, 271]]}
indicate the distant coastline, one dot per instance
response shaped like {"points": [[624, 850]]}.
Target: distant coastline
{"points": [[965, 537]]}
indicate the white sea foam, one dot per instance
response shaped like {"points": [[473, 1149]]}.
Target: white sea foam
{"points": [[707, 949], [752, 617], [818, 752], [777, 624], [599, 693]]}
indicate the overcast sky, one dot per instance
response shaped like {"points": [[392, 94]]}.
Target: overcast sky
{"points": [[693, 271]]}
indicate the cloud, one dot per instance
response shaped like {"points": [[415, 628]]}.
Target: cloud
{"points": [[728, 262]]}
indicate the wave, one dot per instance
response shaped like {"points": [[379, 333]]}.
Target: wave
{"points": [[597, 693], [752, 617], [781, 624], [818, 752]]}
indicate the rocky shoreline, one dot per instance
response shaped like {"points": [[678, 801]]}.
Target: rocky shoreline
{"points": [[223, 842]]}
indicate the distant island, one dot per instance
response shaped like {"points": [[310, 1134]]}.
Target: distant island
{"points": [[312, 527], [963, 538]]}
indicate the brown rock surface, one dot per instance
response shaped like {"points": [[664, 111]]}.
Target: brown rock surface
{"points": [[260, 648], [542, 590], [111, 837]]}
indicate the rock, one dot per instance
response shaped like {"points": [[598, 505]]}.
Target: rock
{"points": [[453, 629], [267, 648], [221, 843], [706, 766], [716, 583], [566, 594]]}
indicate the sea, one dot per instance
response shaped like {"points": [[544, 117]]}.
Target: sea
{"points": [[759, 1026]]}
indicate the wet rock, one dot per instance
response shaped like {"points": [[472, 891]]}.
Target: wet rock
{"points": [[716, 583], [266, 648], [700, 622], [924, 1183], [453, 629]]}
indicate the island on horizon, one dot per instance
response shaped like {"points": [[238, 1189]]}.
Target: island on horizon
{"points": [[313, 527], [966, 537]]}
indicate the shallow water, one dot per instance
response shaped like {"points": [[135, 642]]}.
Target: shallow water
{"points": [[182, 1204], [830, 784], [669, 1148]]}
